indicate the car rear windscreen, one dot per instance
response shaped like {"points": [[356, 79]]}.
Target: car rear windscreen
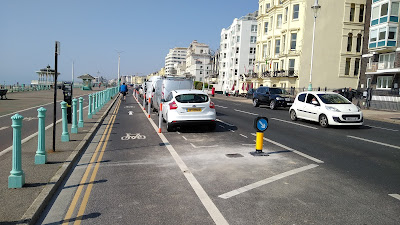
{"points": [[192, 98]]}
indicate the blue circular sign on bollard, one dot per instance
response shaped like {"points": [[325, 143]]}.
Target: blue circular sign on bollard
{"points": [[261, 124]]}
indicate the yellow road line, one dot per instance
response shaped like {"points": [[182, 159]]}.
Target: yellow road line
{"points": [[78, 192]]}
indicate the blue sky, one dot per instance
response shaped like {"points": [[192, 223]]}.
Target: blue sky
{"points": [[91, 32]]}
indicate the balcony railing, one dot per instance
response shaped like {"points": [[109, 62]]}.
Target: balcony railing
{"points": [[375, 66]]}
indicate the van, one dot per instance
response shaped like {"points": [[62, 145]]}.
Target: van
{"points": [[150, 88], [165, 86]]}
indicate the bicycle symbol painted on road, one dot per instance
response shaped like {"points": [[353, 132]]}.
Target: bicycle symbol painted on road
{"points": [[133, 136]]}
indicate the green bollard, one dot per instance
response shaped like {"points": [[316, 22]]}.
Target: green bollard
{"points": [[65, 134], [74, 127], [94, 104], [80, 123], [90, 107], [17, 176], [41, 155]]}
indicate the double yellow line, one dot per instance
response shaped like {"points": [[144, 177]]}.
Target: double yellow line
{"points": [[104, 137]]}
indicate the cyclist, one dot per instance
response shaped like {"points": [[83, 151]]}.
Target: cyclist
{"points": [[123, 89]]}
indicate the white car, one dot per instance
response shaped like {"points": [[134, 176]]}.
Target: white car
{"points": [[326, 108], [188, 107]]}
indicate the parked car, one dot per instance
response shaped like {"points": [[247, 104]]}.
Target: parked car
{"points": [[326, 108], [188, 107], [274, 97], [249, 93]]}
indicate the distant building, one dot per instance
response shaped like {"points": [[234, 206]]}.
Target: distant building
{"points": [[198, 61], [237, 53], [175, 56]]}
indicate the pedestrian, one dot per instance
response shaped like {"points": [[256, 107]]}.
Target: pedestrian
{"points": [[350, 94], [213, 91], [123, 90]]}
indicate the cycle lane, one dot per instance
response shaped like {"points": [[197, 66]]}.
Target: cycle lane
{"points": [[137, 179]]}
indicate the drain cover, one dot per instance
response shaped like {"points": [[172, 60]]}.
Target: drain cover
{"points": [[235, 155]]}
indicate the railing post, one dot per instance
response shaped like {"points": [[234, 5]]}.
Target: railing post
{"points": [[94, 103], [90, 107], [74, 127], [17, 176], [80, 123], [65, 134], [41, 155]]}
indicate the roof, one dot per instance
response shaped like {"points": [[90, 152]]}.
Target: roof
{"points": [[86, 76]]}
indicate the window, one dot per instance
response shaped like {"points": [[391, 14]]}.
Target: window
{"points": [[386, 61], [361, 16], [279, 21], [251, 61], [349, 42], [236, 61], [293, 41], [384, 9], [302, 97], [392, 33], [236, 71], [267, 6], [224, 65], [252, 50], [253, 28], [277, 46], [238, 39], [295, 11], [384, 82], [225, 55], [265, 51], [373, 36], [382, 33], [356, 67], [291, 66], [394, 11], [347, 67], [282, 64], [226, 36], [238, 27], [266, 27], [253, 39], [269, 48], [226, 46], [352, 10], [375, 13], [271, 21], [283, 43], [286, 13], [359, 39]]}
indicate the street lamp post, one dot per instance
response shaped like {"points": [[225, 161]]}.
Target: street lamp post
{"points": [[316, 7], [119, 60]]}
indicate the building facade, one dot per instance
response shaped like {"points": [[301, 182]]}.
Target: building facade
{"points": [[285, 42], [198, 61], [175, 57], [237, 53]]}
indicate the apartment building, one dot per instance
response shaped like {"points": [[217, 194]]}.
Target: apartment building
{"points": [[383, 68], [237, 53], [198, 60], [175, 57], [285, 41]]}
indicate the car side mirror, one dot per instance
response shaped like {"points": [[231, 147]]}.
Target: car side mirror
{"points": [[315, 103]]}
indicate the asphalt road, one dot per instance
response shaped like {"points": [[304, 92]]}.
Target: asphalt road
{"points": [[312, 175]]}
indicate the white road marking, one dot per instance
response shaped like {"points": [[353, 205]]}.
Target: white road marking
{"points": [[396, 196], [294, 123], [292, 150], [245, 112], [381, 128], [248, 144], [178, 132], [224, 107], [375, 142], [208, 204], [243, 135], [232, 130], [184, 138], [266, 181], [130, 113], [3, 128], [211, 146], [225, 123]]}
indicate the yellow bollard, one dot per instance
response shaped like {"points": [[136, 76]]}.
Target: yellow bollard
{"points": [[259, 141]]}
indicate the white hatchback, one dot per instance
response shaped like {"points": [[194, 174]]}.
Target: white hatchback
{"points": [[326, 108], [188, 107]]}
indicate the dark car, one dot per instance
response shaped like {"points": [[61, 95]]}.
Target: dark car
{"points": [[250, 92], [274, 97]]}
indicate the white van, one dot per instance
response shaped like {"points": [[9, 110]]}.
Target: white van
{"points": [[165, 86], [150, 88]]}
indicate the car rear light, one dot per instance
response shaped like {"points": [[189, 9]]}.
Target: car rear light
{"points": [[212, 105], [173, 105]]}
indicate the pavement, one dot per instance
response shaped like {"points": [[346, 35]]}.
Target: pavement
{"points": [[24, 205]]}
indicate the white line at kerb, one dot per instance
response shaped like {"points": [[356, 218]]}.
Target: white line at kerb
{"points": [[396, 196], [294, 123], [245, 112], [375, 142], [225, 123], [266, 181], [224, 107], [208, 204], [292, 150], [382, 128]]}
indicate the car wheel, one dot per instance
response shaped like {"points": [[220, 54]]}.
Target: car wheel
{"points": [[169, 127], [323, 121], [255, 102], [272, 104], [293, 115]]}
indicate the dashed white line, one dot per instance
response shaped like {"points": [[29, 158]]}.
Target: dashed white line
{"points": [[245, 112], [231, 130], [375, 142], [211, 146], [243, 135], [266, 181], [224, 107], [184, 138], [292, 150], [3, 128], [381, 128], [225, 123], [294, 123], [396, 196]]}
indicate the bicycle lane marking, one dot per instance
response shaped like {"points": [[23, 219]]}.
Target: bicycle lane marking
{"points": [[208, 204]]}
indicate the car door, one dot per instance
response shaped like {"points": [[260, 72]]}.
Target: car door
{"points": [[311, 110], [165, 106], [300, 104]]}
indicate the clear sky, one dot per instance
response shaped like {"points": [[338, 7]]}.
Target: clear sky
{"points": [[92, 31]]}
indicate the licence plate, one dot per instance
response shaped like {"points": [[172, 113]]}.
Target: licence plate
{"points": [[194, 110], [289, 103], [352, 118]]}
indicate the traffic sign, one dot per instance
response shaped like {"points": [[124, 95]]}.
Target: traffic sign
{"points": [[261, 124]]}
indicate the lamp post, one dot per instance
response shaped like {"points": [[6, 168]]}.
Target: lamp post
{"points": [[316, 7]]}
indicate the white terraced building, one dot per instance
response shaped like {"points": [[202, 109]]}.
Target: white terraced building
{"points": [[198, 61], [175, 56], [237, 53]]}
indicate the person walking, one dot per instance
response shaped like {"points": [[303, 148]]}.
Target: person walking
{"points": [[123, 89]]}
